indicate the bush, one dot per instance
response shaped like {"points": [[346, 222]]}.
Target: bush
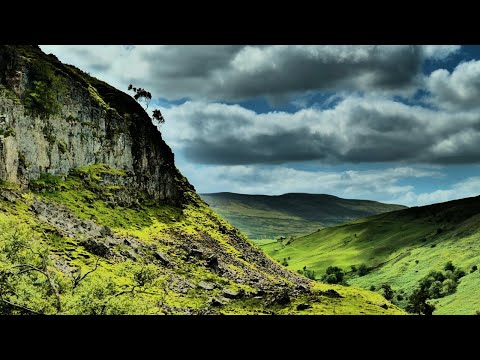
{"points": [[417, 303], [354, 268], [474, 268], [458, 274], [333, 275], [372, 288], [449, 274], [388, 293], [309, 274], [331, 279], [363, 270], [449, 266], [449, 287], [399, 297], [435, 290]]}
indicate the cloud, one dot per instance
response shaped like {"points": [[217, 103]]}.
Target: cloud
{"points": [[275, 180], [458, 90], [465, 188], [231, 72], [440, 52], [356, 130]]}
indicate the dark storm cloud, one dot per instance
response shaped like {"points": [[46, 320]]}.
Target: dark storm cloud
{"points": [[357, 130], [295, 145], [234, 72]]}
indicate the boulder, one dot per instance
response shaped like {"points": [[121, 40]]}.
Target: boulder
{"points": [[233, 294], [382, 305], [206, 285], [301, 307], [96, 248], [215, 302], [162, 258]]}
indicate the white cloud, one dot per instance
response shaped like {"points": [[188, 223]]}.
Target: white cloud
{"points": [[465, 188], [440, 52], [458, 90], [357, 129], [275, 180]]}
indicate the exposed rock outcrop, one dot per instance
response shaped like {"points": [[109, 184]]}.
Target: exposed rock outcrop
{"points": [[54, 117]]}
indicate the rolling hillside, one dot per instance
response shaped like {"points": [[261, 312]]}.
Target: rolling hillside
{"points": [[400, 248], [269, 217]]}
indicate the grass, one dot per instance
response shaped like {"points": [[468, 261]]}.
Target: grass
{"points": [[166, 227], [269, 217], [400, 248]]}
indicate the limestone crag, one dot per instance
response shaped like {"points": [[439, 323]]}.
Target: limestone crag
{"points": [[53, 118]]}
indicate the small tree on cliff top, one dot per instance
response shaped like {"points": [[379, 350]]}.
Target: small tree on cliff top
{"points": [[145, 96]]}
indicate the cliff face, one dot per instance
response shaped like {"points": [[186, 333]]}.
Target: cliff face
{"points": [[54, 117]]}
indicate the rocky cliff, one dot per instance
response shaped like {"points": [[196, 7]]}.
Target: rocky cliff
{"points": [[96, 219], [54, 117]]}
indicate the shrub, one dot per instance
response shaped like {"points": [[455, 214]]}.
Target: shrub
{"points": [[449, 266], [474, 268], [435, 290], [338, 275], [309, 274], [449, 287], [388, 293], [399, 297], [354, 268], [417, 303], [458, 274], [331, 279], [363, 270], [372, 288]]}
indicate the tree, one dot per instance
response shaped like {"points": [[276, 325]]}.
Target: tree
{"points": [[28, 282], [417, 303], [333, 275], [141, 94], [145, 96], [331, 279], [449, 287], [449, 266], [388, 293], [458, 274], [157, 115], [362, 270], [435, 290]]}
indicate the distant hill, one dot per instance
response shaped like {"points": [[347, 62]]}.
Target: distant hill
{"points": [[269, 217], [400, 248]]}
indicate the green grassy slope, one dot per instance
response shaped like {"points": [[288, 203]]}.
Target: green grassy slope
{"points": [[62, 217], [401, 247], [268, 217]]}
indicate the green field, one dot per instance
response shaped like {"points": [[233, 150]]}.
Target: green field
{"points": [[400, 248], [269, 217]]}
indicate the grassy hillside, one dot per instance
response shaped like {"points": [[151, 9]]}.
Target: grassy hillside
{"points": [[70, 246], [400, 248], [269, 217]]}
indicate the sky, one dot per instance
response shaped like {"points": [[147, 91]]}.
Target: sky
{"points": [[392, 123]]}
